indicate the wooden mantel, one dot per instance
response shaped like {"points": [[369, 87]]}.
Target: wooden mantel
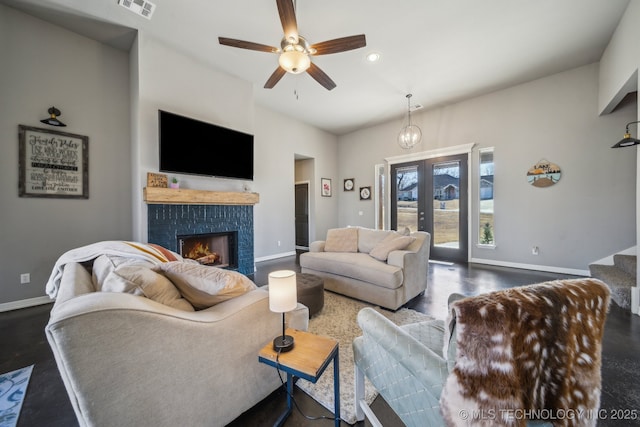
{"points": [[181, 196]]}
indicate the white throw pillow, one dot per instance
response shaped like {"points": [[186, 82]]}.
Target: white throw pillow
{"points": [[204, 286], [393, 242], [142, 281], [341, 240]]}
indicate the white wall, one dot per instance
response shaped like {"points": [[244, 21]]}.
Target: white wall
{"points": [[619, 76], [589, 214], [620, 60], [169, 80], [45, 65], [278, 140]]}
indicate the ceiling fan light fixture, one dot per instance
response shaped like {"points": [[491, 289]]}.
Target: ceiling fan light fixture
{"points": [[373, 57], [294, 61], [410, 135]]}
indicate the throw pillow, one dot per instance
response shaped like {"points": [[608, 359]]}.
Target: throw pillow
{"points": [[204, 286], [393, 242], [105, 264], [142, 281], [368, 238], [341, 240]]}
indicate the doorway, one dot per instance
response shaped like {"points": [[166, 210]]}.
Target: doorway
{"points": [[432, 195], [302, 215]]}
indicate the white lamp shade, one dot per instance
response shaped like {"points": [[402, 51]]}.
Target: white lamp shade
{"points": [[282, 291], [294, 61]]}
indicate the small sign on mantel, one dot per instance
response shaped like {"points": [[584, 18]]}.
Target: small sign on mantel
{"points": [[156, 180]]}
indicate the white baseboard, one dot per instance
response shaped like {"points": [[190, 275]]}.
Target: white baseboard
{"points": [[24, 303], [550, 269], [275, 256]]}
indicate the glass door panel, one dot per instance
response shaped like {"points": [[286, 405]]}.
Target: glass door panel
{"points": [[431, 195], [405, 197], [446, 204]]}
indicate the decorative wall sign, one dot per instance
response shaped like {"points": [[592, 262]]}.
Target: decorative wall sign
{"points": [[158, 180], [544, 174], [52, 164], [325, 185]]}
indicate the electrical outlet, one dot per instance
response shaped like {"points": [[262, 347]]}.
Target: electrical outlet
{"points": [[535, 250], [25, 278]]}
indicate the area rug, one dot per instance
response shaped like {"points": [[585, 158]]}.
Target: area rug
{"points": [[13, 387], [338, 320]]}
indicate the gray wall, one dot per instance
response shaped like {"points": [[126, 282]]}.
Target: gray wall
{"points": [[588, 215], [45, 65]]}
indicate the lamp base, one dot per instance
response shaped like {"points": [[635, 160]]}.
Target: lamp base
{"points": [[283, 343]]}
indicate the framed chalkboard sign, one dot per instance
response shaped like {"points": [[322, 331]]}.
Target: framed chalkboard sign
{"points": [[52, 164]]}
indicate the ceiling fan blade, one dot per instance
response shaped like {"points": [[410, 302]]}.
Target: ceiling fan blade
{"points": [[288, 18], [320, 76], [339, 45], [275, 78], [247, 45]]}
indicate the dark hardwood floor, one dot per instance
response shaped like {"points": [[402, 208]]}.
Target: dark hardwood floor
{"points": [[47, 404]]}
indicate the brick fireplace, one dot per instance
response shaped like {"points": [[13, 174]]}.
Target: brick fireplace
{"points": [[169, 223]]}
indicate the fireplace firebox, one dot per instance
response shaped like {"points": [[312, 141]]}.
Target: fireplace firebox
{"points": [[214, 249]]}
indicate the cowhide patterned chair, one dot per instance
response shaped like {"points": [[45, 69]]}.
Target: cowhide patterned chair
{"points": [[522, 356]]}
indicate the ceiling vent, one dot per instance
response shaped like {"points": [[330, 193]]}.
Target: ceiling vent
{"points": [[415, 107], [140, 7]]}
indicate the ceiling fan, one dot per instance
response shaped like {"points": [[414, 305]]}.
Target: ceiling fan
{"points": [[295, 50]]}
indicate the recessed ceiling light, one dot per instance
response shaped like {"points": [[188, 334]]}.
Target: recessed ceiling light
{"points": [[373, 57]]}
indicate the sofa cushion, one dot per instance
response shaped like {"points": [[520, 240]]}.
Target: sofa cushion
{"points": [[204, 286], [393, 242], [142, 281], [357, 266], [342, 240]]}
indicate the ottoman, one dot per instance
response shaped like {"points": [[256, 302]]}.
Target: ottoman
{"points": [[310, 292]]}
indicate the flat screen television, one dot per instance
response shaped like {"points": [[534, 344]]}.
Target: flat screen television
{"points": [[194, 147]]}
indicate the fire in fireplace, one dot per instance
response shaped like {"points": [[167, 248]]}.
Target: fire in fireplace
{"points": [[215, 249]]}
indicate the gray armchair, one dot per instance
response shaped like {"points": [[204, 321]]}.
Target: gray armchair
{"points": [[408, 371], [499, 358]]}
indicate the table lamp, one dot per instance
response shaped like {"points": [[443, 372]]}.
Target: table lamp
{"points": [[282, 298]]}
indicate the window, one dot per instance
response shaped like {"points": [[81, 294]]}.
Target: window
{"points": [[486, 229]]}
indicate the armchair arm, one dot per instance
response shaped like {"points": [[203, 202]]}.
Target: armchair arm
{"points": [[407, 374], [414, 262], [317, 246]]}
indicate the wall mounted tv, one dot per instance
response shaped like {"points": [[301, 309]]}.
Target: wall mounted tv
{"points": [[194, 147]]}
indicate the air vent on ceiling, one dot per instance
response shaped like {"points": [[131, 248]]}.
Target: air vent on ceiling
{"points": [[141, 7], [415, 107]]}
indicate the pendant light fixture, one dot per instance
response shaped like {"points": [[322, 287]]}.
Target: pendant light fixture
{"points": [[627, 141], [410, 135], [53, 117]]}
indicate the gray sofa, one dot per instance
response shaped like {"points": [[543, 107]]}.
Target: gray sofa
{"points": [[382, 267], [127, 360]]}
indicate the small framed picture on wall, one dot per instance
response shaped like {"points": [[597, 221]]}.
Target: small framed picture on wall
{"points": [[325, 185], [365, 193]]}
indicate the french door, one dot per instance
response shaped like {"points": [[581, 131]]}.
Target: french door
{"points": [[431, 195]]}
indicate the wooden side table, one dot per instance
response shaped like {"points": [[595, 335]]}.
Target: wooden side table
{"points": [[309, 358]]}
